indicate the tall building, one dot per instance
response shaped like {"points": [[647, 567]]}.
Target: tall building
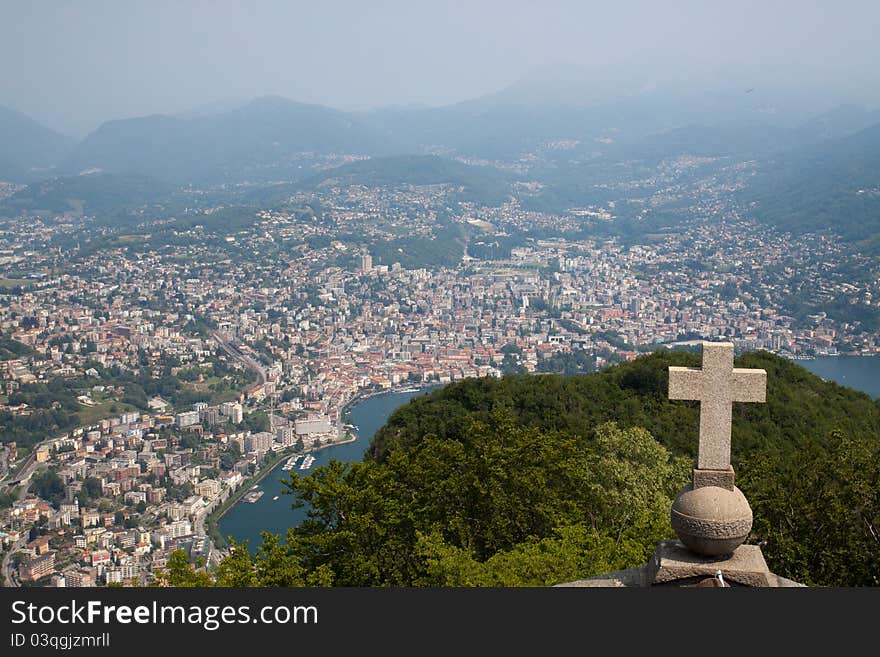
{"points": [[80, 578], [37, 567], [232, 410], [366, 262], [187, 419], [179, 528], [209, 415], [313, 424], [259, 441], [286, 436]]}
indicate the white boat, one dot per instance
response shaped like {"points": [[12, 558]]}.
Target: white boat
{"points": [[275, 498], [253, 496]]}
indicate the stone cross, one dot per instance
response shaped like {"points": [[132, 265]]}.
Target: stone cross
{"points": [[716, 386]]}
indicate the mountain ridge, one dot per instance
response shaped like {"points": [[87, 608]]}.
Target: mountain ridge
{"points": [[226, 145], [28, 147]]}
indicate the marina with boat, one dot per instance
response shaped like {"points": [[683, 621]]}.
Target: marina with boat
{"points": [[307, 461], [253, 496], [358, 424]]}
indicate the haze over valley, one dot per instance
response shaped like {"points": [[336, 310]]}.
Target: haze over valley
{"points": [[223, 227]]}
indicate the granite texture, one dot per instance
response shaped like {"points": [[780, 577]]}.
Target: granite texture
{"points": [[672, 564], [720, 478], [716, 386], [710, 520]]}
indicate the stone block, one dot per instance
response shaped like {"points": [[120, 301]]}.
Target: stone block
{"points": [[673, 564], [720, 478]]}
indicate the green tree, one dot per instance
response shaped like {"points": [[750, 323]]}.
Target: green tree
{"points": [[817, 512], [180, 572], [236, 570], [490, 503], [230, 455], [535, 480], [570, 554], [48, 485], [7, 497], [92, 488]]}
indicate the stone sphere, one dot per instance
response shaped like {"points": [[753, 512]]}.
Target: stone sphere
{"points": [[711, 521]]}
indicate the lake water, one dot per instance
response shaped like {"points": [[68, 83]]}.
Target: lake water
{"points": [[858, 372], [245, 521]]}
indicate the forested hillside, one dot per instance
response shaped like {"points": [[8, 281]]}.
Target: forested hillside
{"points": [[828, 185], [482, 184], [800, 406]]}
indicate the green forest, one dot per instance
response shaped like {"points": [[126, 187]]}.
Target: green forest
{"points": [[533, 480]]}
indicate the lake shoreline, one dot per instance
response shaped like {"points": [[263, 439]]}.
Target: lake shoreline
{"points": [[369, 410], [261, 474]]}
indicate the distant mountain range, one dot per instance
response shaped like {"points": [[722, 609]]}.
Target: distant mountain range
{"points": [[254, 141], [263, 139], [813, 174], [28, 150]]}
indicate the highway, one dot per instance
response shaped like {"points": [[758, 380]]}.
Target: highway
{"points": [[5, 575], [25, 470]]}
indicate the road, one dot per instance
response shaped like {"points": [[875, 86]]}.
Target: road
{"points": [[24, 475], [5, 575], [8, 579], [25, 470], [236, 354]]}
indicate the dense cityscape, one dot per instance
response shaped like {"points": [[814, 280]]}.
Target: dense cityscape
{"points": [[371, 323], [150, 381]]}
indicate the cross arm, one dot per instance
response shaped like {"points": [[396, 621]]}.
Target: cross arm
{"points": [[685, 382], [749, 385]]}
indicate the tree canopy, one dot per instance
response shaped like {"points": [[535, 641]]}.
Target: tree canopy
{"points": [[535, 480]]}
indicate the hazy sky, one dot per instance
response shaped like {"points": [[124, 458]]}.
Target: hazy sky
{"points": [[73, 64]]}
